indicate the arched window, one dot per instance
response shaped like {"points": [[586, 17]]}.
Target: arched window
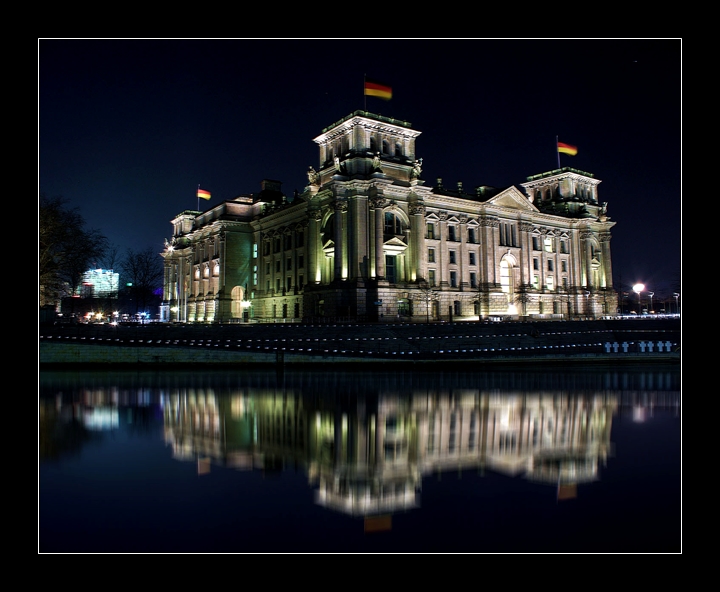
{"points": [[328, 230], [505, 277], [385, 147]]}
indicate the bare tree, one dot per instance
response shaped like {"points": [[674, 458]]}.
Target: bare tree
{"points": [[142, 272], [66, 248], [522, 297], [427, 294]]}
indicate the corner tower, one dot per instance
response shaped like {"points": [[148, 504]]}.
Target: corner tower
{"points": [[363, 145]]}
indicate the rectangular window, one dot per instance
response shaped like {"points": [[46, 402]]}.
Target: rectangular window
{"points": [[536, 243], [471, 235], [452, 257], [430, 230], [288, 284], [453, 279], [255, 250], [267, 269], [299, 238], [563, 246], [550, 282], [431, 255], [390, 268], [255, 275], [548, 244], [288, 264], [473, 279], [287, 242], [277, 266], [276, 245], [301, 281], [507, 235], [277, 284], [563, 265], [451, 233], [536, 282], [431, 277], [551, 265], [301, 261], [536, 263], [472, 258]]}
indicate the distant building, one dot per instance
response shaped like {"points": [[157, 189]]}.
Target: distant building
{"points": [[100, 283], [367, 240]]}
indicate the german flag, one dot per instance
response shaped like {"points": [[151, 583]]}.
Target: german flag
{"points": [[567, 148], [203, 194], [373, 88]]}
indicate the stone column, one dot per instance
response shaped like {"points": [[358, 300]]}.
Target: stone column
{"points": [[443, 255], [606, 259], [357, 237], [587, 258], [526, 270], [378, 204], [340, 250], [463, 264], [488, 244], [418, 254]]}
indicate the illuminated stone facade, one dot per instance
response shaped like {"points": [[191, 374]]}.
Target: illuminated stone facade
{"points": [[367, 457], [367, 240]]}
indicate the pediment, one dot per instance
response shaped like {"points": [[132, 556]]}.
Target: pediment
{"points": [[512, 199], [394, 246], [395, 242]]}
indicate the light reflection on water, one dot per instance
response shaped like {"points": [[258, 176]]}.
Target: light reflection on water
{"points": [[533, 461]]}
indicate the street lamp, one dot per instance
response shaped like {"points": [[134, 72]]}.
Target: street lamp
{"points": [[676, 296], [651, 294], [638, 288]]}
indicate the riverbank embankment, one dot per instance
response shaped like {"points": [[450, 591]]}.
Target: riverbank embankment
{"points": [[610, 342]]}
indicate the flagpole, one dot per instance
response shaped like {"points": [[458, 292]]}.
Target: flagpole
{"points": [[198, 194], [364, 95], [557, 150]]}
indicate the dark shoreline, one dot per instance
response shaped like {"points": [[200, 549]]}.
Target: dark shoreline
{"points": [[435, 346]]}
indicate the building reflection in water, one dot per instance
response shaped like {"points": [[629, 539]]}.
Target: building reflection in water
{"points": [[367, 454]]}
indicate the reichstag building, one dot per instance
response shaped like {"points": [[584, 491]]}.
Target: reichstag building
{"points": [[367, 240]]}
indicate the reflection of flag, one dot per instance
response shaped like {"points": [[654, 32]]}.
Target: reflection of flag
{"points": [[378, 523], [373, 88], [567, 491], [567, 148], [203, 194]]}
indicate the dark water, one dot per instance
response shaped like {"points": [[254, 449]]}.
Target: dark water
{"points": [[488, 462]]}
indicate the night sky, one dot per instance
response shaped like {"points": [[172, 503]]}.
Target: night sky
{"points": [[128, 129]]}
